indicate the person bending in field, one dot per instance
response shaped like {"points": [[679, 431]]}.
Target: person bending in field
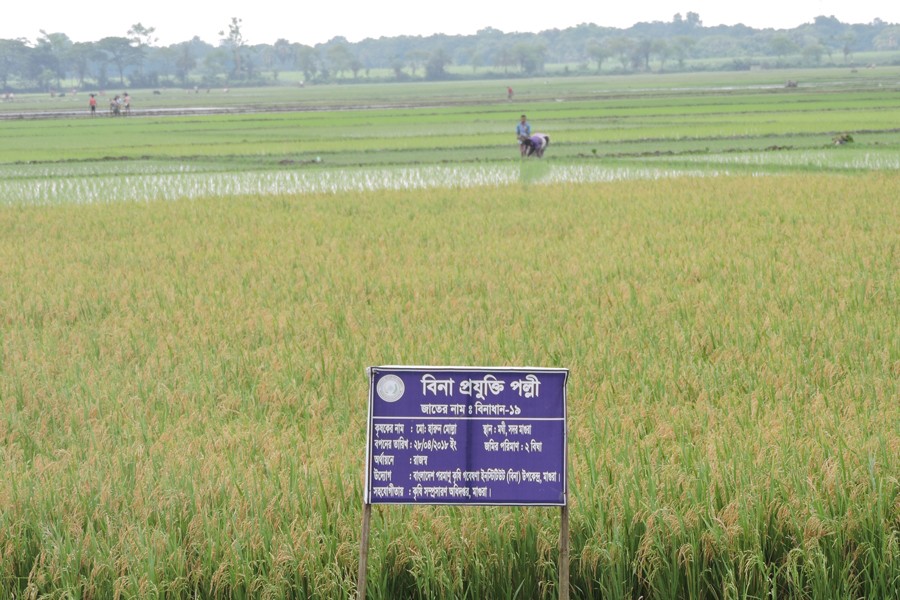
{"points": [[535, 145]]}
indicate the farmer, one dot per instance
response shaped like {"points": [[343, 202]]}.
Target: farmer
{"points": [[523, 132], [536, 144]]}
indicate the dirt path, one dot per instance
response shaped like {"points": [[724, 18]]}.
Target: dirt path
{"points": [[149, 112]]}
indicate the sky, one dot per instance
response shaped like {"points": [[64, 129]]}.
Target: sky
{"points": [[265, 21]]}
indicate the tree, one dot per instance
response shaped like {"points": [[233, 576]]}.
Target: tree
{"points": [[284, 54], [682, 46], [266, 55], [721, 46], [81, 55], [416, 59], [142, 38], [184, 62], [623, 48], [812, 52], [234, 42], [12, 59], [848, 40], [827, 27], [642, 50], [39, 67], [118, 51], [598, 52], [437, 63], [101, 71], [50, 60], [55, 47], [530, 56], [888, 39], [250, 59], [505, 58], [308, 61], [693, 20], [782, 45], [397, 66], [663, 51], [474, 57], [340, 57], [215, 64]]}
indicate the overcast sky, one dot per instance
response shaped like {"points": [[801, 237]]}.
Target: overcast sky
{"points": [[265, 21]]}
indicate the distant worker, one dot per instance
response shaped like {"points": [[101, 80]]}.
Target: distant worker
{"points": [[92, 102], [523, 132], [126, 102], [509, 93]]}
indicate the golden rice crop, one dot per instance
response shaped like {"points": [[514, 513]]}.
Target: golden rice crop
{"points": [[183, 396]]}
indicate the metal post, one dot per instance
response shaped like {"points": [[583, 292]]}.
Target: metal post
{"points": [[564, 553], [363, 553]]}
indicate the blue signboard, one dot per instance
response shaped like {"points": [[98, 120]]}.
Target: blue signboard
{"points": [[466, 435]]}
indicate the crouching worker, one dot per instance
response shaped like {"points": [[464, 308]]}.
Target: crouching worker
{"points": [[536, 144]]}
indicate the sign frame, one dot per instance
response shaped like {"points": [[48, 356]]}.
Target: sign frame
{"points": [[436, 414], [388, 383]]}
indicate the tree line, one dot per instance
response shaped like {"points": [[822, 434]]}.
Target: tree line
{"points": [[684, 43]]}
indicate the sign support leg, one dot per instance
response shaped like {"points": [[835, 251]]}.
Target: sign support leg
{"points": [[564, 553], [363, 552]]}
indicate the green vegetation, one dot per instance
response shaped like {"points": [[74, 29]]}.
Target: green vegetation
{"points": [[182, 384], [271, 140], [54, 64]]}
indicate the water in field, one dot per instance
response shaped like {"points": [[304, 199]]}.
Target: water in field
{"points": [[23, 185], [26, 187]]}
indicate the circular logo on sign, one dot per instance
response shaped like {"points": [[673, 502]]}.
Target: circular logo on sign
{"points": [[390, 388]]}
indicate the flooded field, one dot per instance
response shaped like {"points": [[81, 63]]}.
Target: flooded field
{"points": [[133, 186], [136, 181]]}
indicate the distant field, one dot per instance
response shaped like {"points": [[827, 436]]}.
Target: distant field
{"points": [[419, 135], [188, 305]]}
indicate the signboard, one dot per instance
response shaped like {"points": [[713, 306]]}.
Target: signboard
{"points": [[466, 435]]}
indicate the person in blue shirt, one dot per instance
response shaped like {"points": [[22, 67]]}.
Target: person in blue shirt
{"points": [[523, 132]]}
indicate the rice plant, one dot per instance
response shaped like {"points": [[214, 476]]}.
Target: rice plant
{"points": [[183, 395]]}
